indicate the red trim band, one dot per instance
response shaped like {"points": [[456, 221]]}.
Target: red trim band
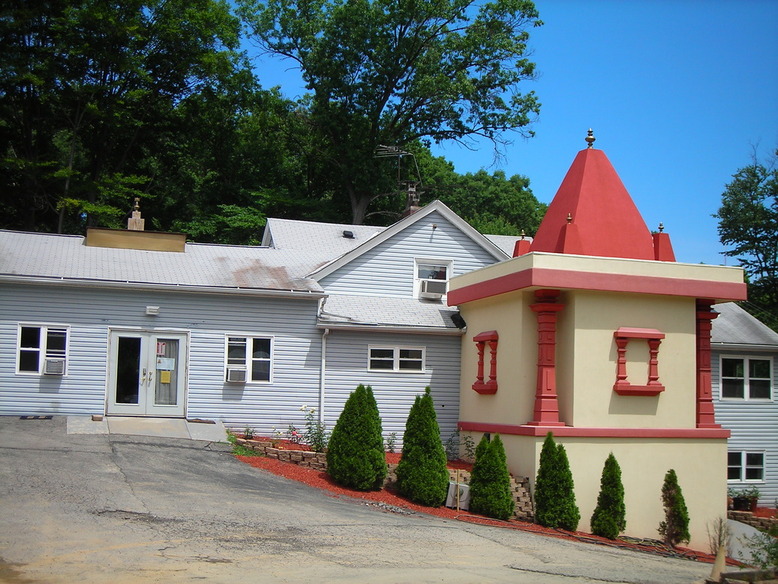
{"points": [[569, 431], [571, 279]]}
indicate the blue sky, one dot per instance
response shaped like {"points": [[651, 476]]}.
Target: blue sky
{"points": [[678, 93]]}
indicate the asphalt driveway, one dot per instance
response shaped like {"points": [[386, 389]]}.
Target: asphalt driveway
{"points": [[119, 509]]}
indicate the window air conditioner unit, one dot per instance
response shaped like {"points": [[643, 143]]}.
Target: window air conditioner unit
{"points": [[432, 289], [53, 366], [236, 375]]}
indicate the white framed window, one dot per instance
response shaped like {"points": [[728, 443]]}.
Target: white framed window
{"points": [[248, 359], [42, 349], [745, 466], [400, 359], [431, 278], [746, 378]]}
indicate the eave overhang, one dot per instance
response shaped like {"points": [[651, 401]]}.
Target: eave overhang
{"points": [[113, 284]]}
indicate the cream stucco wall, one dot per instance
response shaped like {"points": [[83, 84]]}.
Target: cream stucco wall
{"points": [[510, 316], [586, 361], [699, 464]]}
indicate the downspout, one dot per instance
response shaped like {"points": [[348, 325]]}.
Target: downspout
{"points": [[322, 374]]}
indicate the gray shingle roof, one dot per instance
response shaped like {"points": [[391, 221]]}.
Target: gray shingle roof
{"points": [[325, 238], [735, 326], [65, 257], [382, 311]]}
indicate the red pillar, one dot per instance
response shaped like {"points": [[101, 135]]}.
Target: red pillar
{"points": [[546, 402], [705, 414]]}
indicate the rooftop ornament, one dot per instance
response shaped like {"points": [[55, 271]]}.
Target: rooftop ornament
{"points": [[590, 138]]}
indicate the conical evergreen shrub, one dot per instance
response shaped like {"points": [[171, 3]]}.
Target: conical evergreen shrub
{"points": [[675, 528], [554, 488], [355, 456], [609, 517], [490, 482], [422, 474]]}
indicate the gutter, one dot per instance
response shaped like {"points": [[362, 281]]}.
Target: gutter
{"points": [[128, 284], [367, 327]]}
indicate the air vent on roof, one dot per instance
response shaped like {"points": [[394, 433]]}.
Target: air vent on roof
{"points": [[348, 234]]}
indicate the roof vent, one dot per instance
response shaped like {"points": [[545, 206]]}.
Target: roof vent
{"points": [[348, 234]]}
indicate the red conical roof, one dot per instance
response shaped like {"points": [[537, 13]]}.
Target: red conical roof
{"points": [[593, 214]]}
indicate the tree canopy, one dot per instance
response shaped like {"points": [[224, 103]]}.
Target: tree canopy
{"points": [[104, 102], [748, 226], [389, 73]]}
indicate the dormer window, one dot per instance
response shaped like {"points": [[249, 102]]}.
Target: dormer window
{"points": [[431, 282]]}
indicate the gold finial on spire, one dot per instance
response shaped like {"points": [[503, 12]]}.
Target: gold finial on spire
{"points": [[523, 235], [590, 138], [661, 227], [569, 217]]}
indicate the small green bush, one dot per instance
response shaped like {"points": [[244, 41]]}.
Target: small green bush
{"points": [[490, 482], [609, 517], [355, 457], [675, 528], [554, 488], [422, 475]]}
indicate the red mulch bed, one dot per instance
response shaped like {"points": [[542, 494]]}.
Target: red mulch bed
{"points": [[388, 496], [768, 512]]}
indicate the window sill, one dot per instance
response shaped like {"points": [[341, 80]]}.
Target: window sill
{"points": [[645, 390], [487, 388]]}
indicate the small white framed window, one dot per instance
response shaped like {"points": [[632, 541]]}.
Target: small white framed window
{"points": [[248, 359], [42, 349], [431, 278], [396, 359], [745, 466], [746, 378]]}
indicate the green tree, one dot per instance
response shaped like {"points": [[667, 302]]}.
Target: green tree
{"points": [[554, 488], [490, 482], [609, 517], [88, 90], [383, 72], [675, 527], [356, 457], [748, 225], [422, 474], [492, 203]]}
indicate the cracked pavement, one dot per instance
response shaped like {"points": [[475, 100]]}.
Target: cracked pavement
{"points": [[126, 509]]}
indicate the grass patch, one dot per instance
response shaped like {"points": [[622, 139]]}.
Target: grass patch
{"points": [[239, 449]]}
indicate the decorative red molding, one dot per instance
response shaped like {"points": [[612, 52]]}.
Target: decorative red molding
{"points": [[546, 411], [481, 340], [706, 417], [654, 337], [549, 278], [569, 431]]}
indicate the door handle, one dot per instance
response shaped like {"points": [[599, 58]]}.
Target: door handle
{"points": [[143, 376]]}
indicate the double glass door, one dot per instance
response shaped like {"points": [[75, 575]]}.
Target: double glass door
{"points": [[147, 373]]}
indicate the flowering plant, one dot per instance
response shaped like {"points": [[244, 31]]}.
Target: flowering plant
{"points": [[316, 435]]}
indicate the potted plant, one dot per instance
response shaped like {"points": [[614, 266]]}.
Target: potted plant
{"points": [[746, 499]]}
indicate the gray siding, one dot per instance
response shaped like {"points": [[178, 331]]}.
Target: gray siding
{"points": [[388, 269], [90, 312], [347, 354], [754, 424]]}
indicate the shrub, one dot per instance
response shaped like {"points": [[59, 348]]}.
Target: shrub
{"points": [[554, 488], [355, 457], [422, 475], [675, 528], [609, 517], [490, 482]]}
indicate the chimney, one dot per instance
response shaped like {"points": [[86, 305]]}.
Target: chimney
{"points": [[135, 223], [412, 202]]}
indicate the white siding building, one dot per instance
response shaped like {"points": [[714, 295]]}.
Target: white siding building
{"points": [[743, 368], [144, 324]]}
